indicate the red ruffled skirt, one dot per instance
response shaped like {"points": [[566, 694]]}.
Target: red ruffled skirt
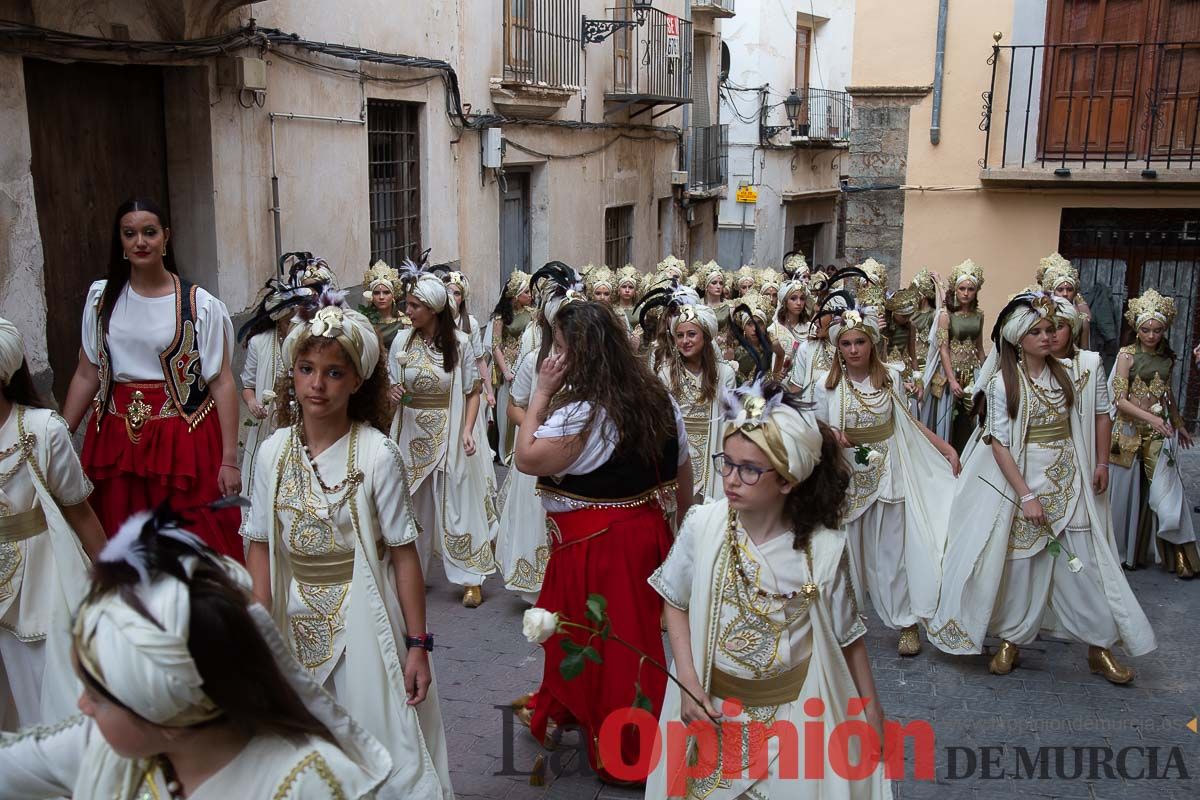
{"points": [[166, 463], [608, 551]]}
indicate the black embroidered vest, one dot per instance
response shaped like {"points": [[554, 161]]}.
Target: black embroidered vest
{"points": [[180, 361], [619, 481]]}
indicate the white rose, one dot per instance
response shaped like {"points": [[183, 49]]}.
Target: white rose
{"points": [[874, 457], [538, 625], [317, 327], [970, 390], [268, 397], [1075, 565], [402, 357], [1156, 408]]}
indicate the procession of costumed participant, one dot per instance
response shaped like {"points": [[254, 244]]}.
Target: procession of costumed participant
{"points": [[790, 326], [769, 282], [1061, 279], [954, 358], [188, 690], [694, 374], [156, 369], [48, 532], [458, 290], [263, 335], [510, 318], [897, 509], [436, 392], [610, 451], [382, 291], [815, 354], [900, 336], [332, 543], [761, 609], [710, 285], [1151, 514], [627, 278], [522, 541], [1046, 563], [756, 354]]}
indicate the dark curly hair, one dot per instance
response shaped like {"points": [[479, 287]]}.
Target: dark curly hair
{"points": [[20, 389], [369, 404], [604, 372]]}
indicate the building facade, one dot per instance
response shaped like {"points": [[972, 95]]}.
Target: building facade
{"points": [[483, 131], [1008, 130], [793, 163]]}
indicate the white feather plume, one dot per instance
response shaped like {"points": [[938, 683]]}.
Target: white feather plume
{"points": [[127, 546]]}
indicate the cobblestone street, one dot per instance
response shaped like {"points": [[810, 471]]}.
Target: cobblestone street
{"points": [[1050, 700]]}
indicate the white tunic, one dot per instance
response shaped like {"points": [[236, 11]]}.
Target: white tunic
{"points": [[263, 368], [142, 328], [703, 423], [42, 578]]}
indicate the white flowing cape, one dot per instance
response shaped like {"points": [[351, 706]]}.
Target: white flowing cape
{"points": [[376, 697], [977, 551], [928, 484], [828, 676]]}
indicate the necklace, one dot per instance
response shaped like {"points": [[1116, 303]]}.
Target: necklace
{"points": [[354, 476], [875, 406], [809, 589]]}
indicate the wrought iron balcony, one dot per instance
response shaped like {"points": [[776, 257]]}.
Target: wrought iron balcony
{"points": [[1103, 106], [824, 117], [652, 64], [719, 9], [708, 161], [541, 43]]}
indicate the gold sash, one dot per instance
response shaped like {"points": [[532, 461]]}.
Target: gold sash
{"points": [[696, 425], [871, 435], [332, 569], [1054, 432], [759, 693], [25, 525], [439, 401]]}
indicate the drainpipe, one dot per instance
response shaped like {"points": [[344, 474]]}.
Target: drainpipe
{"points": [[939, 64]]}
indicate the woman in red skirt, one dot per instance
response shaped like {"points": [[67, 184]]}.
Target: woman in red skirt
{"points": [[155, 367], [612, 457]]}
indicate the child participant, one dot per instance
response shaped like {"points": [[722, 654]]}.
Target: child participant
{"points": [[760, 605]]}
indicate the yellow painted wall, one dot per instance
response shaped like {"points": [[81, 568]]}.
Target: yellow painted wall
{"points": [[1005, 231]]}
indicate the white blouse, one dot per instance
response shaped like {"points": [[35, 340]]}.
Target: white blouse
{"points": [[141, 328]]}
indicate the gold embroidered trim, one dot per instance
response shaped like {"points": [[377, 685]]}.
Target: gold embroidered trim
{"points": [[318, 764]]}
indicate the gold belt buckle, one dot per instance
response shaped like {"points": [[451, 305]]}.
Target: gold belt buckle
{"points": [[136, 414]]}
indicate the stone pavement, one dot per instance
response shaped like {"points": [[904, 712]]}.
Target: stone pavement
{"points": [[1051, 700]]}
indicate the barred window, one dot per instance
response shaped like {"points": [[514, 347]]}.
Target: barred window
{"points": [[394, 181], [618, 236]]}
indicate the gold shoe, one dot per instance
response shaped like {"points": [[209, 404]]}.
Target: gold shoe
{"points": [[1101, 662], [1005, 659], [910, 641], [1182, 570], [472, 596]]}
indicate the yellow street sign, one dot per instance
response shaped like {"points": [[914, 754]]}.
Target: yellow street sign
{"points": [[1192, 726], [747, 194]]}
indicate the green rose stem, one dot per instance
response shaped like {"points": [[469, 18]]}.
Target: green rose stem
{"points": [[577, 655]]}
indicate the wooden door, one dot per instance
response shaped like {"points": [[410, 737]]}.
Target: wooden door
{"points": [[98, 138], [1095, 60], [514, 225], [1176, 121]]}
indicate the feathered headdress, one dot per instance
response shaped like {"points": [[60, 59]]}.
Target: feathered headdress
{"points": [[277, 300], [133, 544], [747, 406], [670, 296], [1021, 313], [555, 285]]}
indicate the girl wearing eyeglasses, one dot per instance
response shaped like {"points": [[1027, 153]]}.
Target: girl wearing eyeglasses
{"points": [[902, 478], [760, 607]]}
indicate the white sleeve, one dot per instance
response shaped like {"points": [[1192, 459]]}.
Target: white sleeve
{"points": [[470, 372], [389, 489], [822, 397], [566, 421], [476, 337], [847, 622], [395, 371], [522, 386], [999, 424], [250, 368], [256, 523], [673, 578], [90, 346], [680, 434], [1104, 403], [43, 761], [64, 474], [214, 330]]}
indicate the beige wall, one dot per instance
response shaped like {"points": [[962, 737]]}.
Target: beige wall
{"points": [[948, 215]]}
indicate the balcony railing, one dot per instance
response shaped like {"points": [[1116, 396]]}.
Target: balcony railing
{"points": [[541, 43], [708, 165], [825, 116], [715, 8], [1092, 106], [652, 64]]}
